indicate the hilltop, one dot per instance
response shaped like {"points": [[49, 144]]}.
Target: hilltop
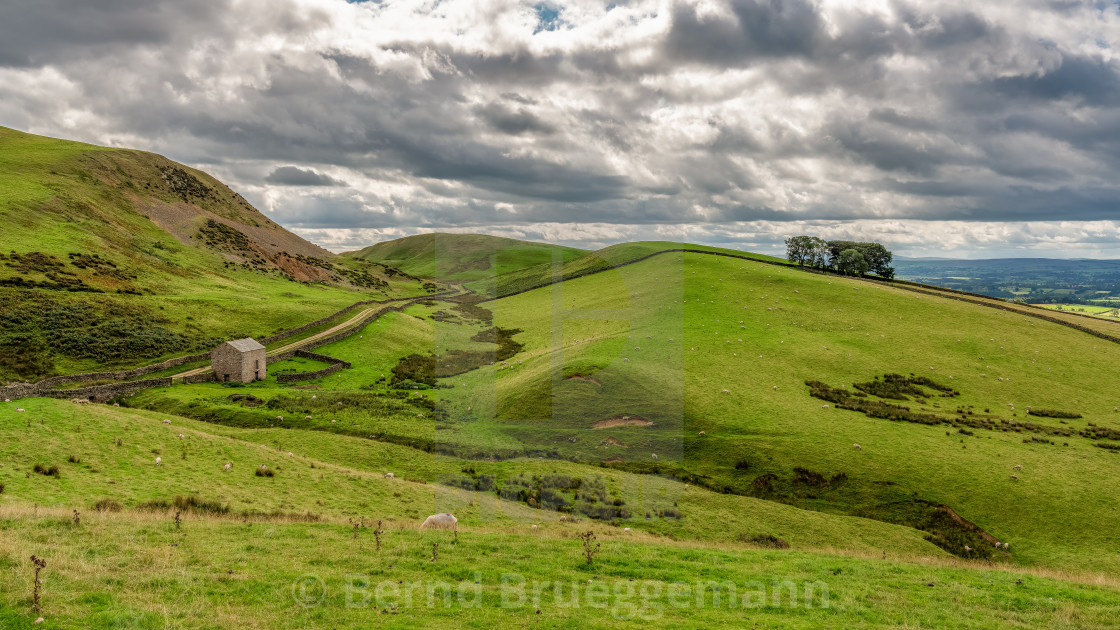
{"points": [[115, 257], [463, 257]]}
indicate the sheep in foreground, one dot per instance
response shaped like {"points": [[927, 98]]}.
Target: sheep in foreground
{"points": [[441, 521]]}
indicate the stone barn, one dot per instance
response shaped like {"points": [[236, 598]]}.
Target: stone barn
{"points": [[239, 361]]}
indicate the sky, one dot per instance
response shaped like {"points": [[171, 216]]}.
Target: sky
{"points": [[937, 127]]}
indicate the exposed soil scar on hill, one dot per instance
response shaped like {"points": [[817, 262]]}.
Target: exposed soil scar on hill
{"points": [[586, 379], [622, 421]]}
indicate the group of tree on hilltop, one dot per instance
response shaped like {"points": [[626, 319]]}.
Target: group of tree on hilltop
{"points": [[847, 257]]}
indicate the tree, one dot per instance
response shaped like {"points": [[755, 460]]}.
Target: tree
{"points": [[851, 262], [875, 256], [798, 249], [807, 250]]}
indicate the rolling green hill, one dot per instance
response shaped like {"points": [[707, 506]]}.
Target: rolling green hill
{"points": [[715, 406], [113, 258], [463, 257]]}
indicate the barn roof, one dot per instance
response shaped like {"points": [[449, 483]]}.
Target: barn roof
{"points": [[245, 345]]}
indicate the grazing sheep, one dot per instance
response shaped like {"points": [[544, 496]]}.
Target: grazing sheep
{"points": [[1006, 546], [227, 467], [997, 544], [389, 475], [279, 418], [441, 521], [703, 433], [20, 409], [1014, 478], [307, 417], [159, 461], [289, 453], [967, 548], [180, 436], [625, 529], [1018, 467], [727, 391], [654, 455], [824, 406], [314, 396], [563, 518], [857, 447], [166, 421]]}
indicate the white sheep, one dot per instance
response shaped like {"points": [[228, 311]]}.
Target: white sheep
{"points": [[857, 447], [441, 521], [1017, 467], [703, 433], [625, 529], [289, 453], [1006, 546], [279, 418], [389, 475], [166, 421], [180, 436], [227, 467], [727, 391], [534, 526], [307, 417], [159, 461], [19, 409], [654, 455]]}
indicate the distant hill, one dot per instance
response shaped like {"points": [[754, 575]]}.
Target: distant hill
{"points": [[463, 257], [116, 257], [1034, 280]]}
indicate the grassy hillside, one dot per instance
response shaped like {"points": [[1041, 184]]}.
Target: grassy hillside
{"points": [[647, 350], [243, 540], [531, 277], [463, 257], [112, 257], [673, 396]]}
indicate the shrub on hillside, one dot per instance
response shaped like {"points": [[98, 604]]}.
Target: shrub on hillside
{"points": [[107, 505], [765, 540], [1052, 413], [47, 471]]}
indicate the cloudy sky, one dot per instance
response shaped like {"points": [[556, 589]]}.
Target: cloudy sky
{"points": [[939, 127]]}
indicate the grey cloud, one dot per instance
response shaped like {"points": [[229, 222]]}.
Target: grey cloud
{"points": [[762, 28], [295, 176], [50, 31]]}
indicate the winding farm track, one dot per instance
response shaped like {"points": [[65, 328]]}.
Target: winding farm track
{"points": [[355, 322]]}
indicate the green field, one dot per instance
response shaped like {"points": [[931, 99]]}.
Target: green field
{"points": [[1110, 313]]}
